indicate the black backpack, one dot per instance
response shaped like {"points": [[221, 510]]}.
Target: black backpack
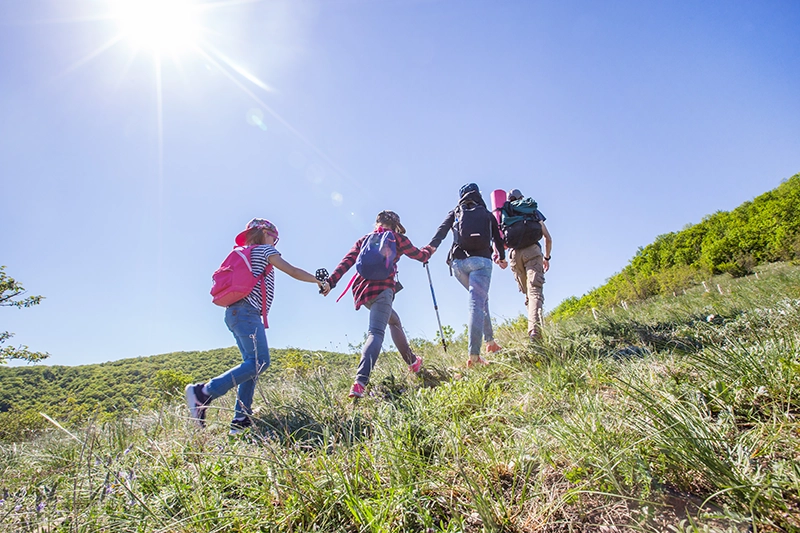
{"points": [[472, 228], [521, 227]]}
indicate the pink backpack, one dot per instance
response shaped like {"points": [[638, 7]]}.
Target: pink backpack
{"points": [[234, 280]]}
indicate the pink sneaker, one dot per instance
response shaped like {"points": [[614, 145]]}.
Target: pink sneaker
{"points": [[480, 362], [416, 366], [492, 347], [357, 390]]}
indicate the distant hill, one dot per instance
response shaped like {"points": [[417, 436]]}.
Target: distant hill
{"points": [[106, 390], [764, 230]]}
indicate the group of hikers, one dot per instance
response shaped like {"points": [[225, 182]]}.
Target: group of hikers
{"points": [[245, 285]]}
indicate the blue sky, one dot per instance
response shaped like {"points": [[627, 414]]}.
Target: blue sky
{"points": [[127, 169]]}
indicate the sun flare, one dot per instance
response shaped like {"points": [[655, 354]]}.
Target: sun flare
{"points": [[159, 25]]}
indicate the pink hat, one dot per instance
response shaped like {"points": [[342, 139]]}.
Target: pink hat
{"points": [[261, 223]]}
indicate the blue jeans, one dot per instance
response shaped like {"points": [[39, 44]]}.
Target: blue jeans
{"points": [[475, 274], [380, 310], [244, 321]]}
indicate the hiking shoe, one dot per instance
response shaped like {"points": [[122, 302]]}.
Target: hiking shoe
{"points": [[480, 362], [492, 347], [198, 401], [357, 390], [239, 425], [415, 366]]}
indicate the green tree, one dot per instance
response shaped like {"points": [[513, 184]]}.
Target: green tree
{"points": [[12, 295], [760, 231]]}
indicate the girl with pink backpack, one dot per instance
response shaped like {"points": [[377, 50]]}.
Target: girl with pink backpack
{"points": [[256, 252]]}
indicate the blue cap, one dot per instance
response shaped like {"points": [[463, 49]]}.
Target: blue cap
{"points": [[469, 187]]}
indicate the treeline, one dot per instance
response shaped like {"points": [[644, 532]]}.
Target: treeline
{"points": [[764, 230], [75, 394]]}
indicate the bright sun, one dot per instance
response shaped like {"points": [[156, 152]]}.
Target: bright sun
{"points": [[159, 25]]}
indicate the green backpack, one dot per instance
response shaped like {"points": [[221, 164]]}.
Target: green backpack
{"points": [[520, 224]]}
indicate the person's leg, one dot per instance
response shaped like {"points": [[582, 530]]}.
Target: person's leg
{"points": [[518, 269], [380, 309], [461, 271], [471, 273], [517, 264], [244, 321], [534, 273], [246, 389], [480, 278], [400, 340], [488, 330]]}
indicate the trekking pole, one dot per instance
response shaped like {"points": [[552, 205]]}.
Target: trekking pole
{"points": [[435, 306]]}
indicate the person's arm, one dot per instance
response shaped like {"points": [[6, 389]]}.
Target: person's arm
{"points": [[548, 246], [441, 233], [297, 273], [404, 247], [497, 237], [346, 263]]}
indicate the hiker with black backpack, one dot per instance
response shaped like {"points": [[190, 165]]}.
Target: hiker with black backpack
{"points": [[245, 286], [523, 227], [374, 285], [474, 229]]}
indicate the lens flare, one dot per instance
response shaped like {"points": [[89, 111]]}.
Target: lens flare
{"points": [[255, 117]]}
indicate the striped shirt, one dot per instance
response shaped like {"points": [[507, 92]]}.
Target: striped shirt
{"points": [[365, 290], [259, 262]]}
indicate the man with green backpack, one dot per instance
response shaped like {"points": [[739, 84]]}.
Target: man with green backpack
{"points": [[523, 227]]}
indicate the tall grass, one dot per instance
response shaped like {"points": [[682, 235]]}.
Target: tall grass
{"points": [[678, 414]]}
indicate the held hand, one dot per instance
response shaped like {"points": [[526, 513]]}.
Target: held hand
{"points": [[430, 249], [324, 288], [503, 264], [321, 275]]}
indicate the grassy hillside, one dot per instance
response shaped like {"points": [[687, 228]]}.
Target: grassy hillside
{"points": [[677, 414], [761, 231], [104, 392]]}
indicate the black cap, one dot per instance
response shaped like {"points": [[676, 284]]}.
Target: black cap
{"points": [[469, 187]]}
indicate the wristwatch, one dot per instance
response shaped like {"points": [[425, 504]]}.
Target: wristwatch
{"points": [[547, 258]]}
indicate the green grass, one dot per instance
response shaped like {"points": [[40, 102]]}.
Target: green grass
{"points": [[677, 414]]}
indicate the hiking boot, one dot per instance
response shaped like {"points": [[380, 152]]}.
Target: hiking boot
{"points": [[415, 367], [479, 362], [492, 347], [357, 390], [198, 401], [239, 425]]}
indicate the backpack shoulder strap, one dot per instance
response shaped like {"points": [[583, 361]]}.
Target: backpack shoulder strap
{"points": [[349, 284], [263, 281]]}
